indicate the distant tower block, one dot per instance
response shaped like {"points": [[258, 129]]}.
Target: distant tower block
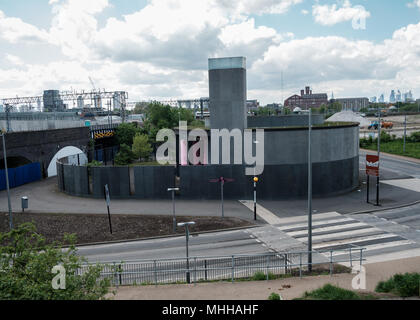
{"points": [[228, 93]]}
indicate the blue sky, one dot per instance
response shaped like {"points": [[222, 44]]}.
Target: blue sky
{"points": [[159, 49]]}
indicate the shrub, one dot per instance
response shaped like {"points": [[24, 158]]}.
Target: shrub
{"points": [[141, 146], [125, 156], [330, 292], [274, 297], [414, 137], [95, 163], [26, 264], [261, 276], [404, 285]]}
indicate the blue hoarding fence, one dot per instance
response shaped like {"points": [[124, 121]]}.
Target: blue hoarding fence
{"points": [[21, 175]]}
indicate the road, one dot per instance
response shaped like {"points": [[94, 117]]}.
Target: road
{"points": [[212, 244], [385, 233]]}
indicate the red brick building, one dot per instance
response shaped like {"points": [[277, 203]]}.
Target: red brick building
{"points": [[306, 100]]}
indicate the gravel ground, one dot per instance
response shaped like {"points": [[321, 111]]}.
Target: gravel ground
{"points": [[95, 228]]}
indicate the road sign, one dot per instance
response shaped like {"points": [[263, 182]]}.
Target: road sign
{"points": [[107, 197], [372, 165]]}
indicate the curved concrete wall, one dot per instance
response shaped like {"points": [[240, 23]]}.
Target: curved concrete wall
{"points": [[335, 170], [284, 121]]}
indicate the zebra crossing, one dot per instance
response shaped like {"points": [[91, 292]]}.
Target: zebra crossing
{"points": [[333, 231]]}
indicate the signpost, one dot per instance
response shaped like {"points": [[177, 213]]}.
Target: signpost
{"points": [[256, 180], [108, 203], [173, 190], [372, 169], [222, 181]]}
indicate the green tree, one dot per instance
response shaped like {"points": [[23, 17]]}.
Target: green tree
{"points": [[125, 156], [141, 147], [125, 133], [140, 108], [26, 264]]}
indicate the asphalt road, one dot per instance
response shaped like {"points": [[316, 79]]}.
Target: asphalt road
{"points": [[213, 244], [245, 242]]}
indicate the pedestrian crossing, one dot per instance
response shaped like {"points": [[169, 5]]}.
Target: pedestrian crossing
{"points": [[333, 231]]}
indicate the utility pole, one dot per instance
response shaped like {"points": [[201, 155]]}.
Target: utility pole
{"points": [[405, 132], [187, 235], [310, 192], [7, 180], [379, 154], [173, 190]]}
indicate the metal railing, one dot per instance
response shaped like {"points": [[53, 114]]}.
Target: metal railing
{"points": [[235, 267]]}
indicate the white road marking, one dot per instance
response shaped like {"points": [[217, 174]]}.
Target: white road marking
{"points": [[382, 246], [354, 241], [341, 234], [409, 184], [334, 228], [315, 223]]}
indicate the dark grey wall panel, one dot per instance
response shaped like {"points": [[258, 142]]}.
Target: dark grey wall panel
{"points": [[117, 178], [60, 176], [75, 180], [153, 182], [284, 121]]}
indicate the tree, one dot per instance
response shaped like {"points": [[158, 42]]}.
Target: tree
{"points": [[141, 146], [125, 156], [125, 133], [26, 264], [140, 108]]}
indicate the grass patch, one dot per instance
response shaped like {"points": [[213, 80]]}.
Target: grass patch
{"points": [[403, 285], [390, 144], [330, 292]]}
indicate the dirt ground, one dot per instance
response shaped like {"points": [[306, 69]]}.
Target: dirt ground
{"points": [[95, 228], [288, 288]]}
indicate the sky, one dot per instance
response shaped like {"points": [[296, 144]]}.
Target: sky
{"points": [[159, 49]]}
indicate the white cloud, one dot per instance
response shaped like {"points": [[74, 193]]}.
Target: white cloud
{"points": [[414, 4], [161, 51], [15, 30], [329, 15]]}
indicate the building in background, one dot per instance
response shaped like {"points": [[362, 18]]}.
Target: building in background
{"points": [[252, 105], [392, 98], [408, 97], [353, 104], [381, 99], [80, 102], [53, 102], [1, 108], [398, 97], [373, 99], [306, 100]]}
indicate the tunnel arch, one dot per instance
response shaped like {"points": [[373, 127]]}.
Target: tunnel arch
{"points": [[14, 162], [71, 152]]}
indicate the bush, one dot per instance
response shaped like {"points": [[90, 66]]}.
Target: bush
{"points": [[414, 137], [261, 276], [330, 292], [125, 156], [141, 146], [404, 285], [26, 264], [274, 297], [95, 163]]}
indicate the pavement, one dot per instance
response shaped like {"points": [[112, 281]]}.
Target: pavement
{"points": [[288, 288]]}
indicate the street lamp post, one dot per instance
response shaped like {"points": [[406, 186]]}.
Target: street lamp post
{"points": [[405, 132], [379, 154], [173, 190], [7, 180], [187, 235], [255, 187], [310, 192]]}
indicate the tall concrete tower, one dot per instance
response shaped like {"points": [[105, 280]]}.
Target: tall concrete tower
{"points": [[228, 93]]}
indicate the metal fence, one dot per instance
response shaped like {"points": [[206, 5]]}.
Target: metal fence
{"points": [[236, 267]]}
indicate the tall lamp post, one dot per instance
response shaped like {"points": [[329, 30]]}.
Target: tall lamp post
{"points": [[3, 133], [255, 186], [173, 190], [379, 154], [310, 192], [187, 235]]}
